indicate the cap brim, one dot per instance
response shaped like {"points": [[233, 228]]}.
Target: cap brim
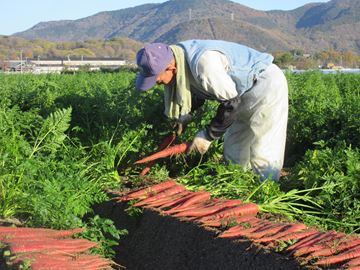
{"points": [[145, 83]]}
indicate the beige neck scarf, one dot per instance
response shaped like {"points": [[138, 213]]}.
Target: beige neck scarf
{"points": [[177, 97]]}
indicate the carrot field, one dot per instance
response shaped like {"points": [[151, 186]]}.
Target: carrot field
{"points": [[65, 140]]}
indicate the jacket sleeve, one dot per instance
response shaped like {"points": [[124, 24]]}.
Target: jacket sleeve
{"points": [[225, 116]]}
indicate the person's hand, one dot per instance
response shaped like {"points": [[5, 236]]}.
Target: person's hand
{"points": [[182, 123], [200, 143]]}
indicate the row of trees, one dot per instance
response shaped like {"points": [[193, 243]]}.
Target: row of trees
{"points": [[301, 60], [125, 48], [13, 47]]}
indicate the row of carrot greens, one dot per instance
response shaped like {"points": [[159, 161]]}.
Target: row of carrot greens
{"points": [[67, 138]]}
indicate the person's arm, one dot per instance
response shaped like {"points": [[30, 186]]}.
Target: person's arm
{"points": [[213, 67], [225, 116]]}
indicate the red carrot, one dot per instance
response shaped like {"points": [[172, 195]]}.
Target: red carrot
{"points": [[60, 245], [178, 201], [286, 231], [274, 228], [308, 249], [241, 231], [176, 149], [168, 199], [198, 205], [225, 221], [350, 254], [335, 247], [36, 233], [253, 224], [353, 262], [314, 240], [145, 192], [198, 197], [242, 210], [165, 193], [205, 211], [166, 143], [298, 235]]}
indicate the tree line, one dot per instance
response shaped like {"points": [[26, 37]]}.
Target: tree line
{"points": [[13, 48]]}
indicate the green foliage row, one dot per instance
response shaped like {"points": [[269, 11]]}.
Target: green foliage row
{"points": [[64, 140]]}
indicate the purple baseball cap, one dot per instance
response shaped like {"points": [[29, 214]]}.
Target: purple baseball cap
{"points": [[152, 60]]}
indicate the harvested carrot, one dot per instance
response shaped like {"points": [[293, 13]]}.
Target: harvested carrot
{"points": [[273, 228], [287, 231], [317, 239], [198, 205], [165, 193], [145, 192], [298, 235], [350, 254], [176, 149], [178, 201], [205, 211], [67, 245], [253, 224], [317, 244], [198, 197], [241, 231], [333, 248], [308, 249], [353, 262], [165, 143], [21, 233], [225, 221], [242, 210], [168, 199]]}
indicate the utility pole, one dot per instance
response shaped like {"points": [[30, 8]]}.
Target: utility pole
{"points": [[21, 68], [232, 16], [189, 14]]}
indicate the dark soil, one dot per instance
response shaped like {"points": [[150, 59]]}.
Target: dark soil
{"points": [[164, 242]]}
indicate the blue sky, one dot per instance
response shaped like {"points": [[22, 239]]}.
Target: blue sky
{"points": [[20, 15]]}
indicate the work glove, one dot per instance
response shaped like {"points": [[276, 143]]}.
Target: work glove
{"points": [[182, 123], [201, 143]]}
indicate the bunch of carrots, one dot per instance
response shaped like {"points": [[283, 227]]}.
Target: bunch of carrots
{"points": [[322, 248]]}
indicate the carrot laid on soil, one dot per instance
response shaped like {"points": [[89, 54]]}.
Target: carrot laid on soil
{"points": [[353, 262], [298, 235], [318, 244], [253, 224], [165, 193], [169, 199], [205, 211], [242, 210], [225, 221], [38, 232], [241, 231], [335, 247], [199, 197], [178, 201], [350, 254], [289, 229], [274, 228], [320, 238], [145, 192], [176, 149]]}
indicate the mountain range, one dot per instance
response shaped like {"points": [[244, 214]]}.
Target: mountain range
{"points": [[312, 27]]}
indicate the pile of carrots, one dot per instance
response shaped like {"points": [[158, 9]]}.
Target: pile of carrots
{"points": [[50, 249], [319, 248]]}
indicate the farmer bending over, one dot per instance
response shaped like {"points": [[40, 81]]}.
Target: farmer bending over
{"points": [[252, 93]]}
